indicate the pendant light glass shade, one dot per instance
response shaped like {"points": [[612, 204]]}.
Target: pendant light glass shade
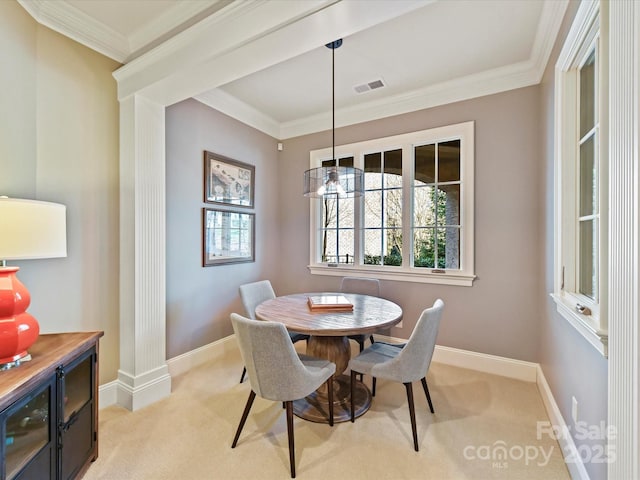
{"points": [[337, 181], [342, 182]]}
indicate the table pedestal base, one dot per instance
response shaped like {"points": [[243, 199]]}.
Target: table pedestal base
{"points": [[315, 407]]}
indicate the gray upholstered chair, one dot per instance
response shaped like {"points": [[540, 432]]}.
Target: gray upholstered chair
{"points": [[405, 363], [252, 295], [364, 286], [277, 372]]}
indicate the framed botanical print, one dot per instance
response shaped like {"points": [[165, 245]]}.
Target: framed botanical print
{"points": [[227, 237], [228, 181]]}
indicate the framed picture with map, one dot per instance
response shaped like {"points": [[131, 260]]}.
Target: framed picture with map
{"points": [[227, 181]]}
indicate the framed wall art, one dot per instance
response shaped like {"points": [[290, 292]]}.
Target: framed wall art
{"points": [[228, 181], [228, 237]]}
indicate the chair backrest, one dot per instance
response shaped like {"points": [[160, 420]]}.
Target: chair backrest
{"points": [[413, 361], [364, 286], [275, 371], [253, 294]]}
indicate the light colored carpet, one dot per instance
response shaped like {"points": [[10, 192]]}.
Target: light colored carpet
{"points": [[484, 427]]}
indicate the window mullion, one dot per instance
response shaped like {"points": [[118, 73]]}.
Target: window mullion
{"points": [[358, 216], [408, 167]]}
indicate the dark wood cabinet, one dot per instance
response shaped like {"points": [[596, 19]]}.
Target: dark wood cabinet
{"points": [[49, 409]]}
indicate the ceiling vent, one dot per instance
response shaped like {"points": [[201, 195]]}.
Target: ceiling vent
{"points": [[367, 87]]}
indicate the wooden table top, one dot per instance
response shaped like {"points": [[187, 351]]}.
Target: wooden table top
{"points": [[48, 352], [369, 314]]}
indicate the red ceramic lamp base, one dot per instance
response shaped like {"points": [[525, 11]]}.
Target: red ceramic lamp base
{"points": [[18, 329]]}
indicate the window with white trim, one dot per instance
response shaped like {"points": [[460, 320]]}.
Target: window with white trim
{"points": [[581, 171], [415, 219]]}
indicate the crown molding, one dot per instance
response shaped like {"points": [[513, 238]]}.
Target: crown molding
{"points": [[231, 106], [74, 23], [177, 15], [473, 86], [227, 30], [498, 80], [187, 47], [548, 28], [77, 25], [493, 81]]}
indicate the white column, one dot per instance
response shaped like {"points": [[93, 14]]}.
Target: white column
{"points": [[143, 377], [624, 242]]}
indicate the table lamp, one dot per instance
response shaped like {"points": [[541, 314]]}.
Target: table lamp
{"points": [[29, 229]]}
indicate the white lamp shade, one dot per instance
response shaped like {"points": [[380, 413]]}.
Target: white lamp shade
{"points": [[32, 229]]}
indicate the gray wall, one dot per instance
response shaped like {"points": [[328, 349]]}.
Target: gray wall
{"points": [[571, 366], [503, 298], [199, 300], [500, 314]]}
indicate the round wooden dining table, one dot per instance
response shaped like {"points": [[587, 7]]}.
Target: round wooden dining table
{"points": [[328, 331]]}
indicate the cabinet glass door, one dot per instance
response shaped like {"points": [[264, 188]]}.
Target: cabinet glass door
{"points": [[77, 388], [77, 426], [27, 427]]}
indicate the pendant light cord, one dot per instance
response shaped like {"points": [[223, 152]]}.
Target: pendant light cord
{"points": [[333, 104], [333, 45]]}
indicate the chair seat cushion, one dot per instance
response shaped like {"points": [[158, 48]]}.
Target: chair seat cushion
{"points": [[317, 364], [374, 356]]}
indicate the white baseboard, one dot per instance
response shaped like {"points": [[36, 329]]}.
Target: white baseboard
{"points": [[450, 356], [134, 393], [108, 394], [567, 445], [481, 362], [506, 367], [183, 363]]}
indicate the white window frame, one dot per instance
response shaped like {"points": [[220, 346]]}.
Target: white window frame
{"points": [[463, 276], [588, 31]]}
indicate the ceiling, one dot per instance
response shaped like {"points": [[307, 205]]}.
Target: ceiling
{"points": [[438, 52]]}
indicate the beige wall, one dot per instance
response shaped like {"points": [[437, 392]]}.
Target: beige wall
{"points": [[18, 57], [59, 142]]}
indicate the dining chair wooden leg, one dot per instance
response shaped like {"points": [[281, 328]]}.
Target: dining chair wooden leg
{"points": [[245, 414], [292, 452], [426, 392], [373, 387], [353, 394], [412, 414], [330, 394], [244, 371]]}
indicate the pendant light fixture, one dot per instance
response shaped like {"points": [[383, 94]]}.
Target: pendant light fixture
{"points": [[335, 180]]}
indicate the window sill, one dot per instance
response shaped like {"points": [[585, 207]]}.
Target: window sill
{"points": [[396, 274], [585, 325]]}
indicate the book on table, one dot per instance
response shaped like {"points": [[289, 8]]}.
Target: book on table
{"points": [[329, 302]]}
